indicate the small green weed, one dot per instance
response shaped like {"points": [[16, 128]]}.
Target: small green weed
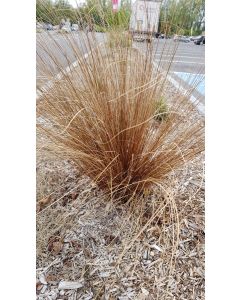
{"points": [[161, 110]]}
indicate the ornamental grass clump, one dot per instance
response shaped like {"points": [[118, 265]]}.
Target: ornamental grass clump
{"points": [[119, 39], [100, 110]]}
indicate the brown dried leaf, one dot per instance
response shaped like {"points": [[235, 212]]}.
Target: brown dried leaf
{"points": [[39, 286], [55, 244], [51, 278], [74, 195], [45, 201], [57, 247]]}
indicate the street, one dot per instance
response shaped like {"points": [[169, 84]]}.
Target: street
{"points": [[188, 57], [184, 61], [56, 51]]}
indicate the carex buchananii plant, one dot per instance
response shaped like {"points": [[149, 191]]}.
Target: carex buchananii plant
{"points": [[97, 94]]}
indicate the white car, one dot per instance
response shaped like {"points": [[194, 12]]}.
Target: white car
{"points": [[181, 38], [75, 27], [66, 28]]}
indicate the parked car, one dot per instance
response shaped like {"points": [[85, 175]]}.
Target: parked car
{"points": [[181, 38], [161, 35], [66, 29], [49, 26], [200, 40], [164, 36], [65, 26], [193, 38], [75, 27]]}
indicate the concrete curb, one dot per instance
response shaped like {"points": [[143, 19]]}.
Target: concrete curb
{"points": [[200, 107], [47, 86]]}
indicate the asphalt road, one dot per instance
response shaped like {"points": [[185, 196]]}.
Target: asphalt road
{"points": [[188, 57], [184, 61], [55, 51]]}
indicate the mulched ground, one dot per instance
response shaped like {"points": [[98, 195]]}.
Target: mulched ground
{"points": [[91, 248], [109, 252]]}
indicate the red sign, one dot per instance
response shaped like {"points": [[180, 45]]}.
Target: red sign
{"points": [[115, 5]]}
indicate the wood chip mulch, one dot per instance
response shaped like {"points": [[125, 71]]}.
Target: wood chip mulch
{"points": [[89, 248]]}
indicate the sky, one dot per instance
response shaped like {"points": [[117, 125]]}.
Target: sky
{"points": [[75, 2]]}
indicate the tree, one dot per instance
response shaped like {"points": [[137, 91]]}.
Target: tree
{"points": [[48, 11], [63, 9], [44, 11], [186, 16], [100, 13]]}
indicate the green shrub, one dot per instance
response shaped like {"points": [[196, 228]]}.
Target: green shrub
{"points": [[161, 110], [99, 28]]}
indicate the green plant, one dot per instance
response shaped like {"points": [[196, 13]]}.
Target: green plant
{"points": [[99, 28], [161, 110], [186, 14]]}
